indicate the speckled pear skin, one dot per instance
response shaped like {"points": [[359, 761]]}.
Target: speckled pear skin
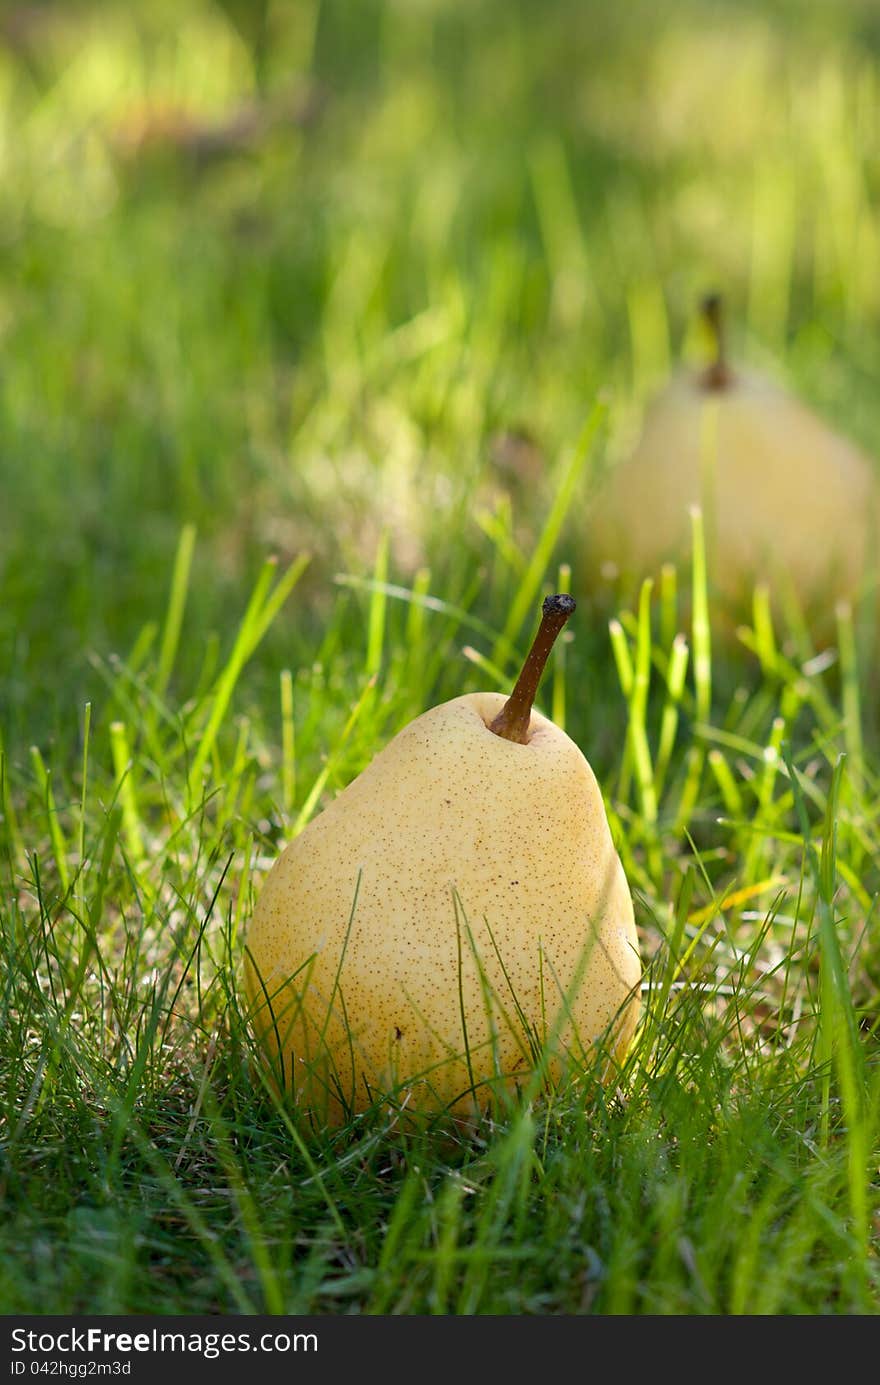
{"points": [[786, 499], [450, 832]]}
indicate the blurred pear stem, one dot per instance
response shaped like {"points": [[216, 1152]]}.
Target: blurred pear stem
{"points": [[718, 375], [512, 722]]}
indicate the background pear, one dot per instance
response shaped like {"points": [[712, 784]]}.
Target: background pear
{"points": [[786, 500], [460, 903]]}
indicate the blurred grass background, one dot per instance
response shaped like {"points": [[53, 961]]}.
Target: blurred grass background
{"points": [[305, 273]]}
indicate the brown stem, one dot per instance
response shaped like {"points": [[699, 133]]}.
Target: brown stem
{"points": [[718, 375], [512, 722]]}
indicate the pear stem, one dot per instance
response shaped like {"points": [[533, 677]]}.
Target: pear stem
{"points": [[718, 375], [512, 722]]}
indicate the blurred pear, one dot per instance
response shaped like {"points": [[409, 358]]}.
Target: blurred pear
{"points": [[786, 500]]}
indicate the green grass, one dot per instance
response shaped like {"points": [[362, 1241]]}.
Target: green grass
{"points": [[295, 438]]}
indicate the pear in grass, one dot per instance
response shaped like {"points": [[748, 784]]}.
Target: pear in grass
{"points": [[457, 910], [786, 500]]}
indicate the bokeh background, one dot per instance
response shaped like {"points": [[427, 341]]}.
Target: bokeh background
{"points": [[307, 274]]}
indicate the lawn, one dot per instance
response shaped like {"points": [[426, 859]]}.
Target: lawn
{"points": [[321, 322]]}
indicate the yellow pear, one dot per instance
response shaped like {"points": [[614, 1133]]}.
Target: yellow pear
{"points": [[786, 500], [457, 909]]}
